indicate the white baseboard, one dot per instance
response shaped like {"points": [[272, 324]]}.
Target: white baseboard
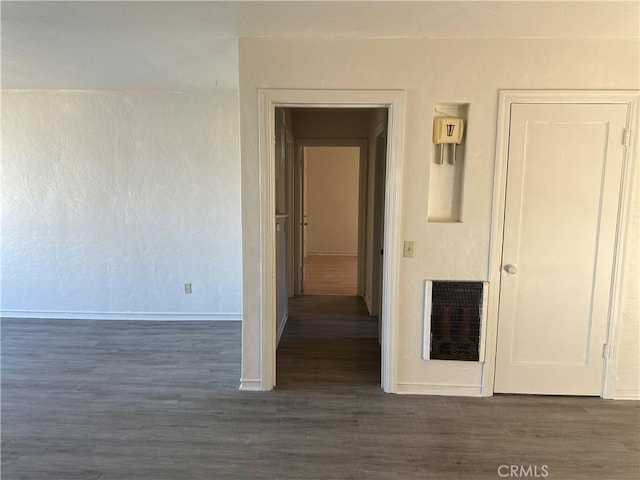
{"points": [[334, 254], [626, 394], [367, 301], [251, 385], [436, 389], [154, 316], [281, 327]]}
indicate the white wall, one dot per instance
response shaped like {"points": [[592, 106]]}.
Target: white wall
{"points": [[430, 71], [111, 201], [332, 199]]}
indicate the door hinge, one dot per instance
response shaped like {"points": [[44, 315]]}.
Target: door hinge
{"points": [[605, 351], [626, 137]]}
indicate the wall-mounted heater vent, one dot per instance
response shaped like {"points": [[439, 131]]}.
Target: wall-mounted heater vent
{"points": [[453, 320]]}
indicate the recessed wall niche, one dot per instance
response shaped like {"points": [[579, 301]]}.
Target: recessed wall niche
{"points": [[446, 179]]}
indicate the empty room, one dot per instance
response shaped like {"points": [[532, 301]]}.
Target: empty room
{"points": [[320, 240]]}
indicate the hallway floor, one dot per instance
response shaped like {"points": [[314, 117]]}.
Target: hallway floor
{"points": [[329, 343], [330, 275]]}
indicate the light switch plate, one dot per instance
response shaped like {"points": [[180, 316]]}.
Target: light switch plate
{"points": [[409, 248]]}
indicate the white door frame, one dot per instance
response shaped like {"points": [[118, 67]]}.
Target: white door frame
{"points": [[290, 156], [374, 297], [268, 100], [362, 144], [506, 99]]}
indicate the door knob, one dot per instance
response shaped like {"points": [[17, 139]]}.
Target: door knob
{"points": [[510, 269]]}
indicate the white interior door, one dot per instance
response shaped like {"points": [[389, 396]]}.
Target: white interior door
{"points": [[291, 236], [379, 185], [305, 230], [561, 212], [298, 212]]}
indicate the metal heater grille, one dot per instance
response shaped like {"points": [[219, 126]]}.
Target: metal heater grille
{"points": [[456, 315]]}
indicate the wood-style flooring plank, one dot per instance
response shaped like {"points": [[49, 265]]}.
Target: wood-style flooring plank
{"points": [[330, 275], [135, 400]]}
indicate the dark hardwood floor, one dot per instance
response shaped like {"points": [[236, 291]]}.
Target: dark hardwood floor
{"points": [[159, 400], [330, 344]]}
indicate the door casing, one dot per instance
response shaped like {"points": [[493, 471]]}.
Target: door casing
{"points": [[362, 144], [268, 100], [506, 99], [374, 300]]}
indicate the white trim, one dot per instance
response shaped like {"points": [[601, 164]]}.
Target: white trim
{"points": [[367, 301], [363, 145], [151, 316], [626, 394], [281, 328], [506, 99], [483, 321], [267, 292], [439, 389], [426, 320], [292, 227], [268, 100], [298, 220], [629, 182], [250, 385], [378, 196]]}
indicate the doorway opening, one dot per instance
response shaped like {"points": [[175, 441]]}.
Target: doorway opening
{"points": [[329, 199], [331, 191], [260, 325]]}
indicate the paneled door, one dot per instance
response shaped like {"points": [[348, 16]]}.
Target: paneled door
{"points": [[561, 213]]}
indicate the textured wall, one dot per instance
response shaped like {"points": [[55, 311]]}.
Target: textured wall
{"points": [[429, 71], [111, 201]]}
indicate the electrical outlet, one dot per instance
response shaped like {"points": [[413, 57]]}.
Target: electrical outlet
{"points": [[187, 288], [409, 249]]}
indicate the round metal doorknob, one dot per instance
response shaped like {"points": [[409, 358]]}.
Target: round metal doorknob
{"points": [[510, 269]]}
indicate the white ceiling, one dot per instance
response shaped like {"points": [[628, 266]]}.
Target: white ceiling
{"points": [[193, 45]]}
